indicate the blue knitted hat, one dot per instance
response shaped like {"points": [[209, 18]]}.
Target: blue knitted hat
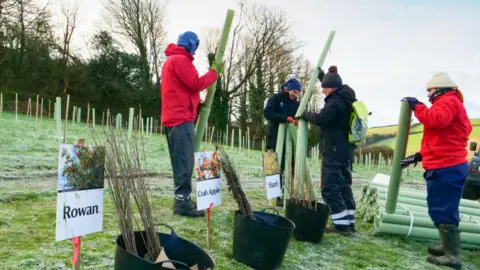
{"points": [[189, 40], [292, 84]]}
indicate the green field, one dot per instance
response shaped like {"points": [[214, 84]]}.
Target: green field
{"points": [[415, 138], [28, 172]]}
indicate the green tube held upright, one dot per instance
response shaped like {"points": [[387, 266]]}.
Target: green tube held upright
{"points": [[282, 128], [205, 111], [400, 150], [302, 133]]}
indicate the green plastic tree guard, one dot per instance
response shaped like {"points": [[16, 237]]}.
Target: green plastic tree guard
{"points": [[205, 111], [400, 150], [288, 168], [282, 128], [298, 190], [302, 132]]}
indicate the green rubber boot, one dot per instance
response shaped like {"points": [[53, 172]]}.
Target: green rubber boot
{"points": [[452, 249], [438, 250]]}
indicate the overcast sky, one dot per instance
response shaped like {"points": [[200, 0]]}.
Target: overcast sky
{"points": [[384, 49]]}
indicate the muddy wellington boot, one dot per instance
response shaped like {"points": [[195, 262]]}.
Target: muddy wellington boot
{"points": [[438, 250], [452, 249], [187, 208]]}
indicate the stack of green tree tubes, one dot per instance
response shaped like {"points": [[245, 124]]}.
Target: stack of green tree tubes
{"points": [[411, 218]]}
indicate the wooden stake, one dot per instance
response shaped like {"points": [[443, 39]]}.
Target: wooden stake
{"points": [[108, 116], [49, 108], [29, 107], [93, 118], [73, 115], [1, 103], [36, 112], [58, 115], [79, 119], [66, 119], [151, 126], [41, 111], [77, 240], [88, 113], [16, 108]]}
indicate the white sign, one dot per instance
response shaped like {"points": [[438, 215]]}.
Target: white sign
{"points": [[79, 213], [209, 191], [79, 191], [272, 185]]}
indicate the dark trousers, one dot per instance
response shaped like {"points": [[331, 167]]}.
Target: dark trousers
{"points": [[180, 141], [444, 190], [337, 192]]}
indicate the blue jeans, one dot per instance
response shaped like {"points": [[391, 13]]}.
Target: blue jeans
{"points": [[444, 190]]}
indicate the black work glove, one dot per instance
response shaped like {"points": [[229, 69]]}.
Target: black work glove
{"points": [[413, 159], [301, 116], [321, 74]]}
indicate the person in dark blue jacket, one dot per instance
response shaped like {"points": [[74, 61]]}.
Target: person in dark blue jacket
{"points": [[337, 152], [281, 108]]}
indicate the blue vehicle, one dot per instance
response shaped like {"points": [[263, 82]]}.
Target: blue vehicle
{"points": [[471, 191]]}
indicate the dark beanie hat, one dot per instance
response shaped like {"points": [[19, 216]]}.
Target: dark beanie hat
{"points": [[332, 79], [292, 84]]}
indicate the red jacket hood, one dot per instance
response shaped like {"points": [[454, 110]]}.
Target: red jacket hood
{"points": [[175, 49]]}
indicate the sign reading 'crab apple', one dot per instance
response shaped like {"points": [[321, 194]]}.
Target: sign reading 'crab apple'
{"points": [[79, 191], [209, 184]]}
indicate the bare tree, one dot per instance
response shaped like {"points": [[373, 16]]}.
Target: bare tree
{"points": [[70, 15], [267, 31], [140, 22], [156, 34], [211, 42], [261, 35]]}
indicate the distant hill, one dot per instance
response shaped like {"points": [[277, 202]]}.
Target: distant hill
{"points": [[416, 130]]}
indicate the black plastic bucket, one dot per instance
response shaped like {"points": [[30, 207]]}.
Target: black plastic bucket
{"points": [[310, 224], [182, 253], [261, 243]]}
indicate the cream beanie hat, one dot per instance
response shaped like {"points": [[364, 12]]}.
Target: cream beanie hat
{"points": [[441, 80]]}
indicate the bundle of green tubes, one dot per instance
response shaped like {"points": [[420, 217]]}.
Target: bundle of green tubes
{"points": [[411, 219]]}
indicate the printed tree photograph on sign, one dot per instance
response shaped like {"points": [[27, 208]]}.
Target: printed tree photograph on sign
{"points": [[271, 172], [207, 165], [270, 163], [81, 167]]}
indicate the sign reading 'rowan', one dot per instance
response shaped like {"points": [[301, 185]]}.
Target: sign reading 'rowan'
{"points": [[79, 191]]}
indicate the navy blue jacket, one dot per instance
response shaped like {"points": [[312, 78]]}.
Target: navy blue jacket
{"points": [[334, 122], [278, 108]]}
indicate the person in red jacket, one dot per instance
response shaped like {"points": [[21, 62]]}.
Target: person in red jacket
{"points": [[180, 89], [443, 153]]}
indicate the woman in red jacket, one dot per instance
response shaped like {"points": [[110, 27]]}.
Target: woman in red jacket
{"points": [[180, 88], [443, 153]]}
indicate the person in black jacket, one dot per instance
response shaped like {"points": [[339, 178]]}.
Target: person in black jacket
{"points": [[337, 152], [281, 108]]}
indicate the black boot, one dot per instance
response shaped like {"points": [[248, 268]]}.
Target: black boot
{"points": [[438, 250], [352, 227], [452, 249], [279, 202], [187, 208]]}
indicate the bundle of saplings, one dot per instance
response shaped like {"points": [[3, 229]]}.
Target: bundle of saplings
{"points": [[234, 186], [127, 185]]}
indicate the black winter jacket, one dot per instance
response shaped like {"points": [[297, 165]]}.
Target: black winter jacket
{"points": [[334, 122], [278, 108]]}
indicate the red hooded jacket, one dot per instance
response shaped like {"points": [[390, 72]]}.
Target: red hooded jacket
{"points": [[446, 128], [181, 86]]}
